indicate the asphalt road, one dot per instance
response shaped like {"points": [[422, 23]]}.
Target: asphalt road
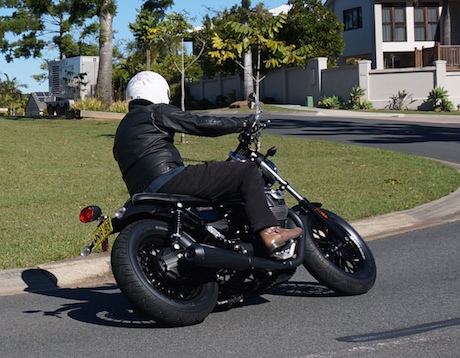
{"points": [[412, 311], [438, 139]]}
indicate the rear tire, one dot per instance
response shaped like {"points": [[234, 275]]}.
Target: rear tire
{"points": [[175, 299], [343, 263]]}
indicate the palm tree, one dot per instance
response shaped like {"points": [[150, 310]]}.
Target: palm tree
{"points": [[10, 94], [107, 9], [446, 23]]}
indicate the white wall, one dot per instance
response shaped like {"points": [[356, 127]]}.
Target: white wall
{"points": [[293, 85]]}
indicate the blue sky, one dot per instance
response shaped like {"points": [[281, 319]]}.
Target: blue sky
{"points": [[22, 70]]}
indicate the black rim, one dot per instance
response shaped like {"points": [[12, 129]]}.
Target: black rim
{"points": [[148, 257], [341, 251]]}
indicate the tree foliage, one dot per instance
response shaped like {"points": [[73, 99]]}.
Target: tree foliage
{"points": [[10, 94], [33, 22], [259, 36], [310, 23], [148, 17], [217, 24], [172, 32], [159, 45]]}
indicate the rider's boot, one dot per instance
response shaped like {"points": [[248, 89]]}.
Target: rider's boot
{"points": [[276, 237]]}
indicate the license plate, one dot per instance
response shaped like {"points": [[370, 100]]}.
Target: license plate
{"points": [[102, 232]]}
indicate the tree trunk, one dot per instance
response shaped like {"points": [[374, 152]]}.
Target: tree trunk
{"points": [[446, 24], [248, 79], [182, 84], [104, 76], [182, 74], [248, 76]]}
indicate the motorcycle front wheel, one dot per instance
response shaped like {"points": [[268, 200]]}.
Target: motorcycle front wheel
{"points": [[142, 269], [342, 262]]}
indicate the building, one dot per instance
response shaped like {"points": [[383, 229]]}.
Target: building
{"points": [[73, 77], [398, 34]]}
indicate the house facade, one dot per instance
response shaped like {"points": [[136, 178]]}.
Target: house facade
{"points": [[393, 34]]}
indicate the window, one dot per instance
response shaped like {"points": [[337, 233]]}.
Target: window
{"points": [[352, 18], [426, 21], [394, 22]]}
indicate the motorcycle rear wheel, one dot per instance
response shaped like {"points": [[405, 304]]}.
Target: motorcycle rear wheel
{"points": [[343, 263], [136, 256]]}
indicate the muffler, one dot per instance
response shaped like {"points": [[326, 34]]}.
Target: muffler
{"points": [[209, 256]]}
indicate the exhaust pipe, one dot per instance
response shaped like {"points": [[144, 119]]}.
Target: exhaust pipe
{"points": [[209, 256]]}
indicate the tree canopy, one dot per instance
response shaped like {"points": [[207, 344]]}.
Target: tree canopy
{"points": [[310, 23], [257, 36], [10, 94], [33, 22]]}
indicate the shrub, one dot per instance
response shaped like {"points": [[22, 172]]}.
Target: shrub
{"points": [[366, 104], [204, 104], [401, 101], [355, 101], [119, 107], [355, 97], [333, 102], [269, 100], [221, 101], [89, 104], [93, 104], [439, 100]]}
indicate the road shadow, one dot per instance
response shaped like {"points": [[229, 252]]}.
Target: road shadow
{"points": [[402, 332], [361, 131], [106, 306], [303, 289], [103, 305]]}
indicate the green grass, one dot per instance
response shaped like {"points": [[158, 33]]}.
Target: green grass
{"points": [[51, 169]]}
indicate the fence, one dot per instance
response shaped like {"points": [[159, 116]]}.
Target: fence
{"points": [[296, 85]]}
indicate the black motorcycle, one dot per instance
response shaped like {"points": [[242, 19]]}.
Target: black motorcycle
{"points": [[177, 257]]}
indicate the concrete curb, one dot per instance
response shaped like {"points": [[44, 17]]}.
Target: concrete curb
{"points": [[92, 271]]}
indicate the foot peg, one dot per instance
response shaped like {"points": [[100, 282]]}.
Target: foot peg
{"points": [[285, 252]]}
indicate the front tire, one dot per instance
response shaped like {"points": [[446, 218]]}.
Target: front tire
{"points": [[343, 263], [172, 297]]}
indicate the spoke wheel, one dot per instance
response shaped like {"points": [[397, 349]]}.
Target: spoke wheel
{"points": [[155, 281], [343, 263]]}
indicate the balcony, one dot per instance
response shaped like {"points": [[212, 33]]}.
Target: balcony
{"points": [[450, 54]]}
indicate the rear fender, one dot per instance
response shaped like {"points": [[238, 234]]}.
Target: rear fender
{"points": [[141, 212]]}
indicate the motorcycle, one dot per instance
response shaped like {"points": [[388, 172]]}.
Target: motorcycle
{"points": [[178, 257]]}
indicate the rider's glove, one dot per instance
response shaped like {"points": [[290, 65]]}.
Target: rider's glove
{"points": [[249, 123]]}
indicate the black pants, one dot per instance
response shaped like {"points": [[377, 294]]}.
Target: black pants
{"points": [[212, 180]]}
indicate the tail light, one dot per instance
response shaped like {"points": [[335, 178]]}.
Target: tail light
{"points": [[90, 213]]}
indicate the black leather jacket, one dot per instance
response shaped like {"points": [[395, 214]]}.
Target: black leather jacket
{"points": [[144, 141]]}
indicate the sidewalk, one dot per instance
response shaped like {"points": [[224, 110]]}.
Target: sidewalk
{"points": [[95, 269]]}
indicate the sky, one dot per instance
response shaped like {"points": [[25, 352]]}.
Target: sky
{"points": [[23, 70]]}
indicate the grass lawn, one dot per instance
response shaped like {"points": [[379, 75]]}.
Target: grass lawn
{"points": [[51, 169]]}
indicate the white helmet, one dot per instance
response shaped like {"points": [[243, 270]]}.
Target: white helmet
{"points": [[148, 85]]}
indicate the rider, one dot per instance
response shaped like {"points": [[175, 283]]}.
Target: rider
{"points": [[149, 161]]}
